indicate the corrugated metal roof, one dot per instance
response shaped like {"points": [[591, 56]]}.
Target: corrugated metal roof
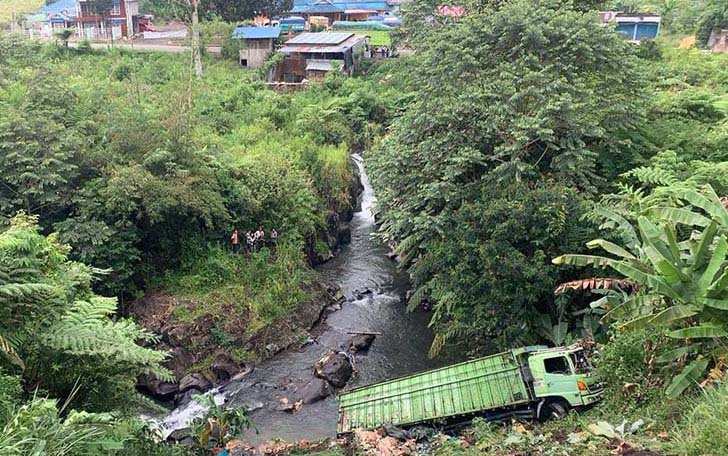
{"points": [[256, 33], [323, 8], [61, 6], [324, 65], [303, 6], [320, 38]]}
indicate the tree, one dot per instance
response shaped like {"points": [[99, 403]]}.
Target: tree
{"points": [[677, 256], [64, 35], [37, 147], [232, 11], [508, 110]]}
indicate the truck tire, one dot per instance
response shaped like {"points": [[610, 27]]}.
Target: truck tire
{"points": [[556, 410]]}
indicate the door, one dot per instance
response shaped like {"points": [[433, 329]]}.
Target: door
{"points": [[559, 379]]}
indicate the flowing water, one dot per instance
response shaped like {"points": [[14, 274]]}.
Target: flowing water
{"points": [[401, 349]]}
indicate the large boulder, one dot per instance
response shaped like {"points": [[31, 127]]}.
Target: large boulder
{"points": [[181, 436], [157, 388], [224, 367], [194, 381], [313, 391], [335, 368], [360, 343]]}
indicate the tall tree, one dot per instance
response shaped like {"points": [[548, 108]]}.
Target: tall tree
{"points": [[518, 92]]}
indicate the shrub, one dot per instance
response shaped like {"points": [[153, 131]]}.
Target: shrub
{"points": [[624, 360]]}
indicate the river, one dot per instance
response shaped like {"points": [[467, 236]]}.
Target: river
{"points": [[401, 349]]}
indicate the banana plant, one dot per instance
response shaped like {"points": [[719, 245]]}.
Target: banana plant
{"points": [[677, 256]]}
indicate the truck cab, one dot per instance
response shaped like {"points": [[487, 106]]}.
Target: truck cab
{"points": [[561, 378]]}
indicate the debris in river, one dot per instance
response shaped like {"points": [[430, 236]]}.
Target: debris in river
{"points": [[336, 368], [285, 405], [360, 343], [313, 391]]}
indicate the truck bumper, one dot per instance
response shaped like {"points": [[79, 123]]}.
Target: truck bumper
{"points": [[592, 397]]}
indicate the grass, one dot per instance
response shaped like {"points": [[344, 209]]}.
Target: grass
{"points": [[376, 37], [14, 8], [248, 290], [703, 430]]}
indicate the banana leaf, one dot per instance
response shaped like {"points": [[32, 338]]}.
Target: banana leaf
{"points": [[610, 247], [674, 313], [720, 284], [680, 215], [583, 260], [632, 306], [715, 264], [710, 205], [665, 266], [654, 235], [674, 355], [652, 281], [721, 304], [637, 323], [689, 376], [701, 251], [698, 332]]}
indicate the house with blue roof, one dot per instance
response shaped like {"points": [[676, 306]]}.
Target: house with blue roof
{"points": [[257, 43], [82, 15], [343, 10], [51, 18]]}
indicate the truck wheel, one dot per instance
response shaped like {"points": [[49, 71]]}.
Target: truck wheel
{"points": [[556, 410]]}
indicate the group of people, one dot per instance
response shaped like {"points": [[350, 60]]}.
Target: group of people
{"points": [[253, 241]]}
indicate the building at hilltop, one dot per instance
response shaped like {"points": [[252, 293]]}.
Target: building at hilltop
{"points": [[343, 10], [81, 15], [313, 55], [634, 26], [257, 44]]}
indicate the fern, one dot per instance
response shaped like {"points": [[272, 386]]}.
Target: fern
{"points": [[86, 330]]}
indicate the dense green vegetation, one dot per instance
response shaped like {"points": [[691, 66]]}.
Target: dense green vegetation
{"points": [[515, 143], [121, 176]]}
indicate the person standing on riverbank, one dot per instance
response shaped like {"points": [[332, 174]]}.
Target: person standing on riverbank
{"points": [[234, 241], [259, 239], [250, 242], [273, 240]]}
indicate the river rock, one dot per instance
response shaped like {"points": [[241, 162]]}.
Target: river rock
{"points": [[360, 343], [182, 436], [344, 234], [197, 381], [335, 368], [159, 389], [313, 391], [184, 398], [224, 367]]}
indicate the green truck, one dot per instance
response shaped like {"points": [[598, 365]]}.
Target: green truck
{"points": [[529, 382]]}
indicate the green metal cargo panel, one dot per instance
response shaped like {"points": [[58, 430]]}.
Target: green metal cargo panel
{"points": [[481, 384]]}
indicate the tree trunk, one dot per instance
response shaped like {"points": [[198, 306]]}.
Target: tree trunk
{"points": [[195, 32]]}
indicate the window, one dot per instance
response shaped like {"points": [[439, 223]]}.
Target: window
{"points": [[557, 365], [244, 62], [116, 9], [87, 9]]}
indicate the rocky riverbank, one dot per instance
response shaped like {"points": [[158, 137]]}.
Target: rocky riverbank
{"points": [[203, 356]]}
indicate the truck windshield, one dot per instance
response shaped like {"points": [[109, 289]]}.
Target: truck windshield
{"points": [[581, 363]]}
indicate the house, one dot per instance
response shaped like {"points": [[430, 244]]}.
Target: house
{"points": [[313, 55], [51, 18], [341, 10], [116, 23], [634, 26], [257, 44]]}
